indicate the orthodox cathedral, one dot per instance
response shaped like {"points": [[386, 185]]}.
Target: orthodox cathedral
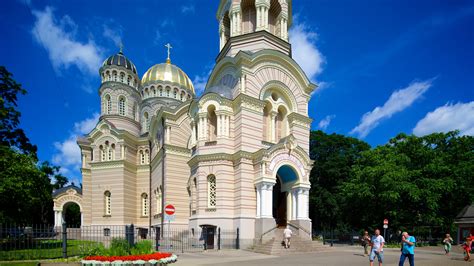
{"points": [[235, 157]]}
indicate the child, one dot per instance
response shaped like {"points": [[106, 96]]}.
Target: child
{"points": [[467, 248], [448, 241]]}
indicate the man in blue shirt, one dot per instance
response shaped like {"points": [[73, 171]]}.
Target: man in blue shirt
{"points": [[408, 249]]}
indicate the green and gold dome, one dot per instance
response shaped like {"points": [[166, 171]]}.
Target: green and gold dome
{"points": [[167, 72]]}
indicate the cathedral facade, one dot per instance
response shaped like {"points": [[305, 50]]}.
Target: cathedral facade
{"points": [[235, 157]]}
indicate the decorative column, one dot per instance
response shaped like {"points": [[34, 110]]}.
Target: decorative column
{"points": [[302, 198], [259, 200], [289, 206], [273, 117], [243, 79], [58, 218], [294, 206], [205, 129], [267, 200], [122, 152]]}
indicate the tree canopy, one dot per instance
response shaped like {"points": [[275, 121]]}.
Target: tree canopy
{"points": [[412, 181], [25, 183]]}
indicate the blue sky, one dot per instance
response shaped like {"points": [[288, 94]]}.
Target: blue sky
{"points": [[383, 67]]}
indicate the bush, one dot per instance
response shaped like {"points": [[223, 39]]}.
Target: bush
{"points": [[119, 247], [142, 247]]}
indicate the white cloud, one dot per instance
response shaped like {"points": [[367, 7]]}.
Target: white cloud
{"points": [[114, 35], [68, 154], [187, 9], [398, 101], [59, 39], [446, 118], [324, 123], [304, 50], [199, 83]]}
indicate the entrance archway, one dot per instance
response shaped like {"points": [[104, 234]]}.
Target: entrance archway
{"points": [[279, 204], [63, 198], [72, 215], [286, 176]]}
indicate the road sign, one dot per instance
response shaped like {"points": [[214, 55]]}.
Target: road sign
{"points": [[169, 209], [385, 226], [385, 222]]}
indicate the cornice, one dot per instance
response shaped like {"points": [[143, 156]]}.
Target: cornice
{"points": [[112, 165], [299, 119]]}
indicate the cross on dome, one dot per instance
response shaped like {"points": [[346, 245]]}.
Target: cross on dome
{"points": [[168, 45]]}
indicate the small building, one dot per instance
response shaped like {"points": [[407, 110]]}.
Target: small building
{"points": [[465, 222]]}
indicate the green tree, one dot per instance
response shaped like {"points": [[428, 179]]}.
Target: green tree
{"points": [[25, 185], [333, 155], [412, 181]]}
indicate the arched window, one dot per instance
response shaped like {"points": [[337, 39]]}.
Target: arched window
{"points": [[111, 153], [128, 79], [267, 122], [175, 95], [122, 77], [281, 123], [144, 204], [141, 155], [114, 74], [147, 93], [211, 191], [107, 105], [273, 14], [212, 125], [249, 16], [102, 154], [122, 105], [158, 200], [107, 201], [183, 96], [147, 156], [160, 91], [146, 121], [108, 77]]}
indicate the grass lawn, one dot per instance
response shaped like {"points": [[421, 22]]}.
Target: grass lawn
{"points": [[74, 248]]}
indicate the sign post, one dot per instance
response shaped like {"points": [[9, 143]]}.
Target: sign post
{"points": [[169, 216], [385, 226]]}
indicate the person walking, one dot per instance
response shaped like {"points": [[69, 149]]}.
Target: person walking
{"points": [[447, 242], [467, 248], [287, 236], [366, 243], [377, 243], [408, 249]]}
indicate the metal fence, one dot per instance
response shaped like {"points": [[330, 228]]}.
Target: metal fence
{"points": [[43, 241]]}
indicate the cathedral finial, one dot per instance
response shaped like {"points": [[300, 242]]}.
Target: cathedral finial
{"points": [[121, 47], [168, 45]]}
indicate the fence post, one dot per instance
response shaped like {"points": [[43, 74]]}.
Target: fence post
{"points": [[237, 241], [204, 231], [64, 233], [129, 234], [157, 238], [219, 238]]}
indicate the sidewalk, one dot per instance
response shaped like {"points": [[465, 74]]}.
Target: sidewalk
{"points": [[345, 256]]}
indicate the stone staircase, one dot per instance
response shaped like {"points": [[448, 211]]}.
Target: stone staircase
{"points": [[298, 245]]}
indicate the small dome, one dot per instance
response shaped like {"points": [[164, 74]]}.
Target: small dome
{"points": [[120, 60], [167, 72]]}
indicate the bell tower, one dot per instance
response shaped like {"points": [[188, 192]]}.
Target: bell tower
{"points": [[253, 25]]}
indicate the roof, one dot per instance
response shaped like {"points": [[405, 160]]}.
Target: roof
{"points": [[120, 60], [66, 188], [466, 215]]}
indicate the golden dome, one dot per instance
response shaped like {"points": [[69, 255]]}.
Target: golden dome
{"points": [[167, 72]]}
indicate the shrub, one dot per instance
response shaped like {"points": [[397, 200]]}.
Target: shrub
{"points": [[142, 247], [119, 247]]}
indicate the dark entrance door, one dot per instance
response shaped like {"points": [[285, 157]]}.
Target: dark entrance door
{"points": [[209, 234], [279, 204]]}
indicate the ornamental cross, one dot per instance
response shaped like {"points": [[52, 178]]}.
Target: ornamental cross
{"points": [[121, 47], [169, 47]]}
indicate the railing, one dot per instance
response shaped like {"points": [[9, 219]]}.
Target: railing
{"points": [[44, 242]]}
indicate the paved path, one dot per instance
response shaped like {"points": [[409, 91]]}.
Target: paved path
{"points": [[345, 256]]}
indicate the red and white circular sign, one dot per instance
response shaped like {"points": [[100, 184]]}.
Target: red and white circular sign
{"points": [[385, 221], [169, 209]]}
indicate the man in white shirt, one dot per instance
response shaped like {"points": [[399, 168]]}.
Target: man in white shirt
{"points": [[287, 236], [377, 243]]}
